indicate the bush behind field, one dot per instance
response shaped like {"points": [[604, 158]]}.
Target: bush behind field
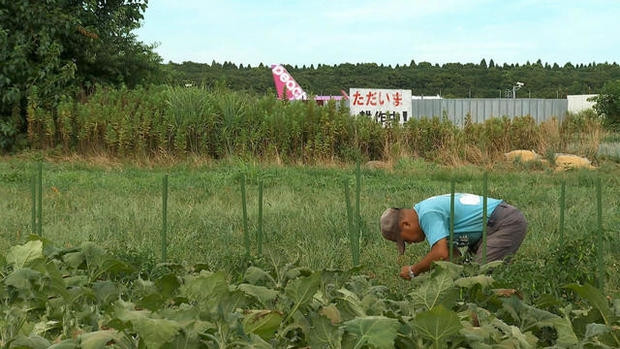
{"points": [[220, 123]]}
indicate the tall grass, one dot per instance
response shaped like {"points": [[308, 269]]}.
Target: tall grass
{"points": [[220, 123]]}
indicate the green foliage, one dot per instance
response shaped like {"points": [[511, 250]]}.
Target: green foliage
{"points": [[49, 295], [573, 260], [608, 104], [219, 123], [456, 80], [56, 48]]}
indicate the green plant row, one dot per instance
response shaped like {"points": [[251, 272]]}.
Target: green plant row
{"points": [[83, 297], [219, 123]]}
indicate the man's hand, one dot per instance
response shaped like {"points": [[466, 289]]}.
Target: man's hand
{"points": [[439, 252], [404, 272]]}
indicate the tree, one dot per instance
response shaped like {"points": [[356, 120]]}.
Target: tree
{"points": [[58, 47], [608, 104]]}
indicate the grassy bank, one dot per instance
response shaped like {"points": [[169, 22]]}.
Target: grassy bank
{"points": [[118, 206]]}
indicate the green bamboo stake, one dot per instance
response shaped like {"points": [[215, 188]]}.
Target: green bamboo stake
{"points": [[350, 221], [33, 185], [358, 218], [562, 208], [246, 234], [451, 246], [40, 203], [600, 247], [164, 208], [484, 217], [260, 218]]}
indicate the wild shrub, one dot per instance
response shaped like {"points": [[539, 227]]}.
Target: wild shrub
{"points": [[219, 123]]}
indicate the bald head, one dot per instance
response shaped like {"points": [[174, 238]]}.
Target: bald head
{"points": [[390, 227], [390, 223]]}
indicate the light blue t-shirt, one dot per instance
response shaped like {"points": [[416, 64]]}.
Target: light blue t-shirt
{"points": [[434, 216]]}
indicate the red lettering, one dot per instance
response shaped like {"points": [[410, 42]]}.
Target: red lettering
{"points": [[371, 98], [358, 99]]}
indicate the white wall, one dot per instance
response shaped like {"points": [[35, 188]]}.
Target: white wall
{"points": [[577, 103]]}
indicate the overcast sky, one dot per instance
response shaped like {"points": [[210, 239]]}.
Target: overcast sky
{"points": [[383, 32]]}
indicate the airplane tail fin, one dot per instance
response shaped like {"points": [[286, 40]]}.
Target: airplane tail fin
{"points": [[282, 79]]}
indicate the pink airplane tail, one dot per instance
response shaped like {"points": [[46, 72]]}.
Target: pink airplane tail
{"points": [[282, 78]]}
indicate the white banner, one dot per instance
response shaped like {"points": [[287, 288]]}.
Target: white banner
{"points": [[380, 104]]}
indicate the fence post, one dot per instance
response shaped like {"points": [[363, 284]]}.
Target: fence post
{"points": [[600, 246], [164, 208], [260, 218], [350, 222], [246, 234], [33, 184], [451, 245], [562, 208], [358, 218], [484, 217], [40, 197]]}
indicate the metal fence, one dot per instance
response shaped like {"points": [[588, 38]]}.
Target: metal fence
{"points": [[481, 109]]}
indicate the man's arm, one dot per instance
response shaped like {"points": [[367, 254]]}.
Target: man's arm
{"points": [[439, 252]]}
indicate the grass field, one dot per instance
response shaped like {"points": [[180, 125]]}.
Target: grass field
{"points": [[118, 206]]}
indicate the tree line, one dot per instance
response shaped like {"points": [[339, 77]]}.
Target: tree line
{"points": [[450, 80]]}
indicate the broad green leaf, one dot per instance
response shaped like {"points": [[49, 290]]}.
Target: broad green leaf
{"points": [[476, 335], [434, 291], [22, 255], [351, 302], [375, 331], [596, 298], [296, 272], [189, 318], [454, 270], [264, 295], [21, 278], [595, 330], [301, 290], [167, 285], [257, 276], [489, 266], [76, 281], [517, 338], [262, 322], [31, 342], [101, 339], [437, 324], [564, 328], [106, 291], [112, 266], [66, 344], [208, 289], [325, 333], [155, 332], [256, 342], [74, 259], [530, 317], [469, 282], [373, 304]]}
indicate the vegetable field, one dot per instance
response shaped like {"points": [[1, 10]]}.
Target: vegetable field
{"points": [[96, 277]]}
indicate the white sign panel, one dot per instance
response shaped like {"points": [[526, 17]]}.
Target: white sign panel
{"points": [[380, 104]]}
